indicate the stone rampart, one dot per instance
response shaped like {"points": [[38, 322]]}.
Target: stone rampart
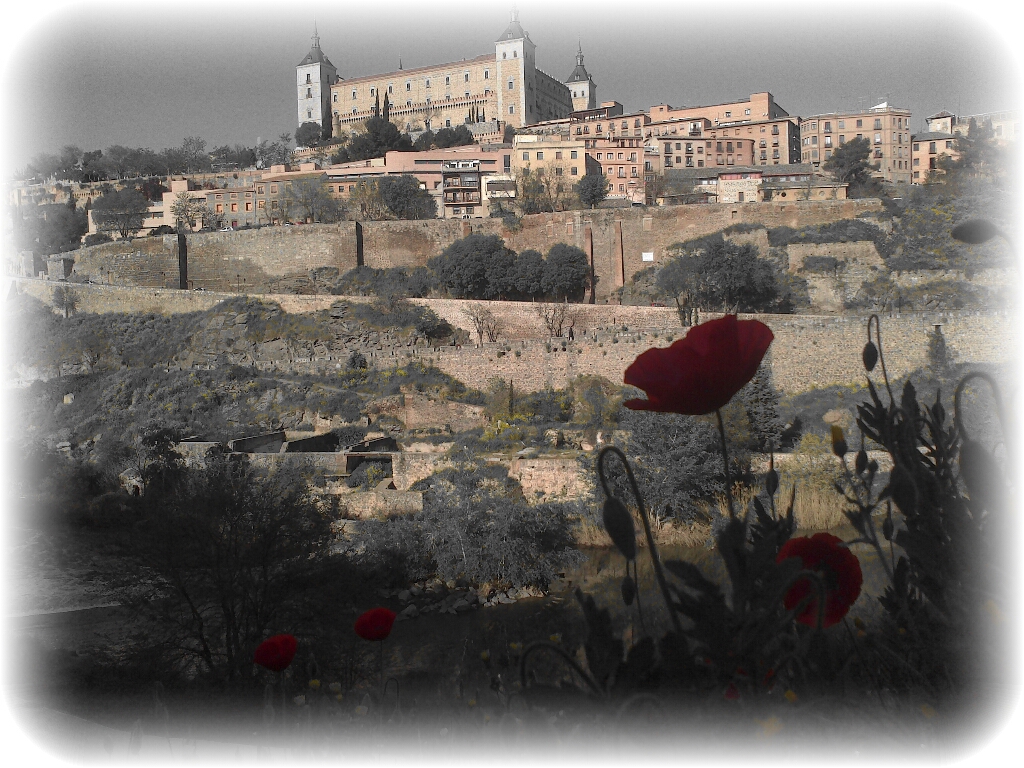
{"points": [[809, 350], [257, 260]]}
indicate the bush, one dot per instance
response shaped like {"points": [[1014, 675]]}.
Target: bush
{"points": [[474, 525], [97, 238]]}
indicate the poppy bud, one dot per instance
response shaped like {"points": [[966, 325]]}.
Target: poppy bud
{"points": [[771, 482], [980, 475], [887, 528], [838, 441], [862, 461], [870, 356], [619, 524], [628, 590], [872, 466], [902, 490]]}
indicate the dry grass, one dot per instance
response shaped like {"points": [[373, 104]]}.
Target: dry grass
{"points": [[666, 533]]}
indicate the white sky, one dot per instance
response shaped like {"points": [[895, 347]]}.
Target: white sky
{"points": [[102, 73]]}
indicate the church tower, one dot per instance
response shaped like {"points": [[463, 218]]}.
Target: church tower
{"points": [[314, 77], [584, 90], [516, 58]]}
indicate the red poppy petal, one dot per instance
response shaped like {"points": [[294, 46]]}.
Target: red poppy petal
{"points": [[375, 624]]}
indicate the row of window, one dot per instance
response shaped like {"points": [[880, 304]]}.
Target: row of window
{"points": [[897, 122], [408, 84], [573, 155]]}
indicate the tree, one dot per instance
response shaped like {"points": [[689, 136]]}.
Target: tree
{"points": [[193, 149], [52, 229], [223, 555], [557, 316], [152, 189], [187, 210], [678, 279], [677, 461], [531, 195], [312, 199], [566, 273], [849, 162], [720, 274], [270, 153], [424, 141], [528, 274], [367, 199], [461, 269], [405, 198], [939, 362], [121, 211], [592, 189], [484, 321], [307, 135], [379, 137], [65, 300], [453, 137]]}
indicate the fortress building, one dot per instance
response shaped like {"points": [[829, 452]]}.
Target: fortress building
{"points": [[582, 86], [314, 77], [504, 86]]}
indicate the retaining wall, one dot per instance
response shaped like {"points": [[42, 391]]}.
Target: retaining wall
{"points": [[259, 260]]}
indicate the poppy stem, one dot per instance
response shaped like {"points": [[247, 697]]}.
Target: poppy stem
{"points": [[725, 464]]}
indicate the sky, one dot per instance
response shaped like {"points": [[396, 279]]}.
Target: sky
{"points": [[95, 74]]}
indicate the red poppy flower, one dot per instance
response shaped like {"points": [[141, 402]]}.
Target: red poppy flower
{"points": [[375, 624], [839, 570], [703, 370], [276, 653]]}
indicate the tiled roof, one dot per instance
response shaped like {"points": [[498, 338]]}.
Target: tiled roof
{"points": [[931, 136], [315, 56]]}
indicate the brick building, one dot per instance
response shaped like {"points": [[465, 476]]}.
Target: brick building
{"points": [[886, 128]]}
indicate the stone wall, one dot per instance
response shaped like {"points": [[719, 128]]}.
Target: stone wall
{"points": [[809, 351], [221, 261], [258, 259], [549, 478], [364, 505], [829, 293]]}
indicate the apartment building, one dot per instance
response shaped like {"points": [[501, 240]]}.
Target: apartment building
{"points": [[615, 144], [760, 106], [886, 128], [926, 149]]}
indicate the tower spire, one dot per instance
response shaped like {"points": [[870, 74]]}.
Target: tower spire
{"points": [[316, 34]]}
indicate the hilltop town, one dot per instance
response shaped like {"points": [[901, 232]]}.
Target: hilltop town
{"points": [[399, 339]]}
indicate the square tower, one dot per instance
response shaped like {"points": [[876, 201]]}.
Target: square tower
{"points": [[515, 59], [314, 77], [584, 90]]}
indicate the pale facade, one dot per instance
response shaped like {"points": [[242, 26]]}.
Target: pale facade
{"points": [[1006, 126], [506, 86], [314, 77], [926, 149], [886, 128], [581, 85], [760, 106]]}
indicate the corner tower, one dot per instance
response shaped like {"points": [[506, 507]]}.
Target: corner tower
{"points": [[515, 56], [582, 86], [313, 79]]}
